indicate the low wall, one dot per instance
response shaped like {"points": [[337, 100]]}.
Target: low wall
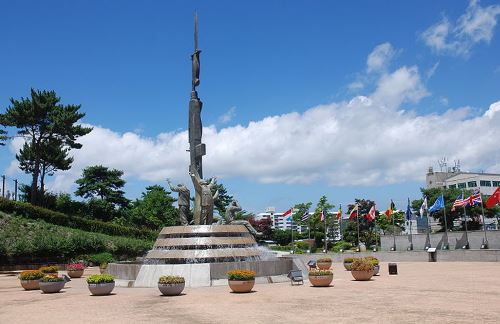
{"points": [[262, 268], [126, 271], [455, 239]]}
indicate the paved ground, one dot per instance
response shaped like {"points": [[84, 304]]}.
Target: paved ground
{"points": [[449, 292]]}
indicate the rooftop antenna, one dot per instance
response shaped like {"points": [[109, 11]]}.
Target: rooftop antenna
{"points": [[442, 164]]}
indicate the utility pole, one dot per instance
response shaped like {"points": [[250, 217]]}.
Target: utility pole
{"points": [[3, 186], [15, 189]]}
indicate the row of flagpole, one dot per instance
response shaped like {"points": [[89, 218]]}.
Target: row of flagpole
{"points": [[438, 205]]}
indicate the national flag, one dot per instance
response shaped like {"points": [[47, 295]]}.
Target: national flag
{"points": [[494, 199], [354, 212], [423, 208], [339, 213], [305, 217], [371, 214], [408, 211], [288, 212], [438, 204], [474, 199], [390, 210], [322, 218], [459, 202]]}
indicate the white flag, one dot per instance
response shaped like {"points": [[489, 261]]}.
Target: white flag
{"points": [[423, 207]]}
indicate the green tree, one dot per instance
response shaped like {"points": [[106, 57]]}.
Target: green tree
{"points": [[223, 200], [100, 182], [3, 137], [155, 209], [367, 230], [317, 227], [42, 121], [282, 237]]}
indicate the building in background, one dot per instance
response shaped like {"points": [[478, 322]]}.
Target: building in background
{"points": [[279, 221]]}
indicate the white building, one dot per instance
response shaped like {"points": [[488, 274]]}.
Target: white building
{"points": [[454, 178], [279, 221]]}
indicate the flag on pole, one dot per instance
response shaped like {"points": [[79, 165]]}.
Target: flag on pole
{"points": [[423, 208], [305, 217], [371, 214], [438, 204], [408, 211], [322, 216], [459, 202], [354, 212], [289, 214], [390, 210], [474, 199], [494, 199], [339, 213]]}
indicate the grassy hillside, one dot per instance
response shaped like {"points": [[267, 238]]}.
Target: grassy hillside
{"points": [[27, 239]]}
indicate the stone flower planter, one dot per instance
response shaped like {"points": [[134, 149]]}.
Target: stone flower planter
{"points": [[30, 284], [347, 266], [324, 265], [362, 275], [51, 287], [171, 289], [321, 281], [101, 289], [75, 273], [241, 286], [376, 269]]}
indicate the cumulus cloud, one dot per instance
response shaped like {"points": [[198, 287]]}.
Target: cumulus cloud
{"points": [[380, 57], [475, 26], [228, 115]]}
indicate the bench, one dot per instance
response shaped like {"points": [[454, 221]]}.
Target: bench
{"points": [[296, 276]]}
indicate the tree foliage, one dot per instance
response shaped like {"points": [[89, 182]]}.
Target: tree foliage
{"points": [[100, 182], [50, 130], [223, 200], [3, 137], [155, 209]]}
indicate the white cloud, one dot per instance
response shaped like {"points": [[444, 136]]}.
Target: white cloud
{"points": [[369, 140], [444, 101], [228, 115], [356, 85], [379, 58], [476, 25], [432, 70]]}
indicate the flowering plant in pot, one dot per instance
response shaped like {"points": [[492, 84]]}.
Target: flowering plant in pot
{"points": [[362, 269], [241, 281], [101, 284], [171, 285], [50, 270], [375, 262], [347, 263], [324, 263], [51, 284], [75, 270], [320, 278], [30, 279]]}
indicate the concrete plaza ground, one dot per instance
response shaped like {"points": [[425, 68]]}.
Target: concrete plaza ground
{"points": [[451, 292]]}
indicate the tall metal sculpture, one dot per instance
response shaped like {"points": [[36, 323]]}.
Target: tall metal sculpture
{"points": [[196, 147]]}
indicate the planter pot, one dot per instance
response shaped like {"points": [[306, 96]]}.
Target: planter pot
{"points": [[101, 289], [30, 284], [347, 266], [171, 289], [51, 287], [376, 269], [321, 281], [75, 273], [324, 265], [238, 286], [362, 275]]}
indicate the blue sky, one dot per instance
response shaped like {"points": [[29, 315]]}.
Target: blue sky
{"points": [[301, 98]]}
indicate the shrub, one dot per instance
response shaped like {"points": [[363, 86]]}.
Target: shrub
{"points": [[49, 269], [31, 275], [373, 260], [361, 264], [241, 275], [320, 273], [33, 212], [303, 245], [101, 258], [171, 280], [348, 260], [75, 267], [48, 278], [324, 260], [100, 278], [341, 245]]}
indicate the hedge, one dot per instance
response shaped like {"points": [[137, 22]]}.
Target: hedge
{"points": [[21, 238], [90, 225]]}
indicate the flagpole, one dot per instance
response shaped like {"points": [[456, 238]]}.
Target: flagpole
{"points": [[410, 220], [485, 240], [326, 244], [293, 244], [466, 246], [446, 245], [393, 232], [340, 223], [428, 239], [357, 220]]}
